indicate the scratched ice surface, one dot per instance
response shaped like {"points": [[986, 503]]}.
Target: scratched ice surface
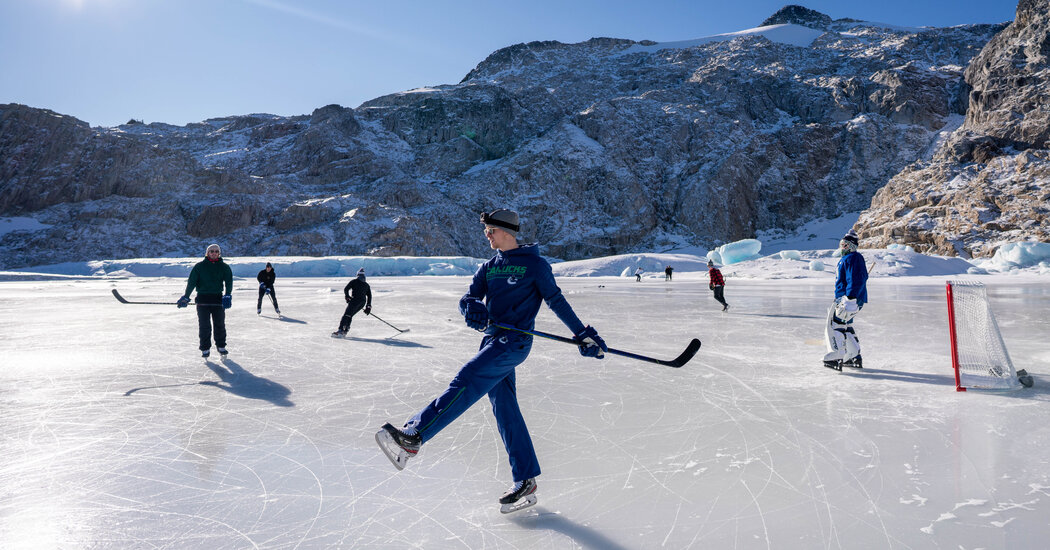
{"points": [[115, 434]]}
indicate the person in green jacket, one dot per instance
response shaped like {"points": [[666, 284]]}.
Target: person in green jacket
{"points": [[209, 277]]}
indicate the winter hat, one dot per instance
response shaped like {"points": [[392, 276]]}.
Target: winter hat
{"points": [[851, 236], [211, 246], [361, 272], [710, 263], [268, 265], [506, 220]]}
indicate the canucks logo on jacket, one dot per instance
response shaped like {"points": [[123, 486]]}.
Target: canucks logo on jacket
{"points": [[511, 273]]}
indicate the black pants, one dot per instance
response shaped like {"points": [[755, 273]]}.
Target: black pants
{"points": [[351, 309], [720, 295], [210, 315], [273, 297]]}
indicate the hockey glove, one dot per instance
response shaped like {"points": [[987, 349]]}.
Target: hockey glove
{"points": [[183, 302], [227, 301], [591, 345], [475, 313], [368, 310], [262, 285]]}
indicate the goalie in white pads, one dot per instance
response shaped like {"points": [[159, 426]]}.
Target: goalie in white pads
{"points": [[851, 293]]}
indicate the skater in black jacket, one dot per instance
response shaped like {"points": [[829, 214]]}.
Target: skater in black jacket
{"points": [[358, 295], [266, 278]]}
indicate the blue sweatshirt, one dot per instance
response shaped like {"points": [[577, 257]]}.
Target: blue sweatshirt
{"points": [[513, 283], [852, 278]]}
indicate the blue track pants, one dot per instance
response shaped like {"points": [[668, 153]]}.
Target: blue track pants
{"points": [[490, 372]]}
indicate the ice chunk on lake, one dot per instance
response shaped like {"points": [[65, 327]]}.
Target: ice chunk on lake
{"points": [[739, 251]]}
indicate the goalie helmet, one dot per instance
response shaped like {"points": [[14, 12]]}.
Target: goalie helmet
{"points": [[849, 242]]}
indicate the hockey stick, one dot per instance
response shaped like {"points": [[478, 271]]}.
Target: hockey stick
{"points": [[123, 300], [677, 362], [388, 324]]}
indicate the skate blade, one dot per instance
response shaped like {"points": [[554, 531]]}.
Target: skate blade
{"points": [[519, 505], [833, 365], [391, 449]]}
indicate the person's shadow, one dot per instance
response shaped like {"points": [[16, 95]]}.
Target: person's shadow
{"points": [[388, 342], [242, 383], [283, 318], [582, 535]]}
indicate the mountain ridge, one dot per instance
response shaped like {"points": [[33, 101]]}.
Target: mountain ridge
{"points": [[602, 150]]}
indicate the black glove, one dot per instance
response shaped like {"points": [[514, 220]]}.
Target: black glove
{"points": [[227, 301], [591, 345], [183, 302], [476, 314], [368, 310]]}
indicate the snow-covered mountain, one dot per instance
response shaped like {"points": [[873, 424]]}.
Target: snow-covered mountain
{"points": [[988, 182], [605, 147]]}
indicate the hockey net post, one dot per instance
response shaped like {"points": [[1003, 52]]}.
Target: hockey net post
{"points": [[979, 356]]}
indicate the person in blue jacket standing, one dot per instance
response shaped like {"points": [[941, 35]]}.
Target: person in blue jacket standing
{"points": [[851, 293], [508, 289]]}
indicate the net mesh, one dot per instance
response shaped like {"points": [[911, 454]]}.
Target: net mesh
{"points": [[980, 351]]}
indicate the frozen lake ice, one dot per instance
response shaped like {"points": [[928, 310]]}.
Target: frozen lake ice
{"points": [[116, 434]]}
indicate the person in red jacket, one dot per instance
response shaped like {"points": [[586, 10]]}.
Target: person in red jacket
{"points": [[717, 284]]}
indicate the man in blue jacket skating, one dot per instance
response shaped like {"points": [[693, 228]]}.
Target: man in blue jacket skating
{"points": [[508, 290], [851, 293]]}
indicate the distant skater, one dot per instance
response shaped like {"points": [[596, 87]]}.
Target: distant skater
{"points": [[717, 284], [358, 295], [266, 278], [208, 277], [638, 275], [508, 289], [851, 293], [667, 273]]}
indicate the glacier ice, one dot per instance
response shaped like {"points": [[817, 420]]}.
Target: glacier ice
{"points": [[738, 251]]}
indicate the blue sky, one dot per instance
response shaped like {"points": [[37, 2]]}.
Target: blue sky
{"points": [[182, 61]]}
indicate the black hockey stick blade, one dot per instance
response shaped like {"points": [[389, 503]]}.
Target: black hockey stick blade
{"points": [[388, 324], [124, 300], [690, 351], [676, 363]]}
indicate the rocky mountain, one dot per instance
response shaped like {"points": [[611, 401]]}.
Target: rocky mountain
{"points": [[988, 182], [605, 146]]}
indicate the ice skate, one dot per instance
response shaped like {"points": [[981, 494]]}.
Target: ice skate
{"points": [[853, 363], [339, 334], [725, 307], [520, 497], [223, 353], [834, 364], [205, 353], [258, 311], [397, 446]]}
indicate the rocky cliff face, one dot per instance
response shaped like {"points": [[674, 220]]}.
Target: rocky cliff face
{"points": [[988, 183], [605, 146]]}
